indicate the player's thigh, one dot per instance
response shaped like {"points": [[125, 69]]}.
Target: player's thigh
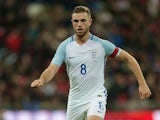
{"points": [[96, 110], [76, 113]]}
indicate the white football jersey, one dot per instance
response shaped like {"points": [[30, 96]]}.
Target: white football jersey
{"points": [[85, 66]]}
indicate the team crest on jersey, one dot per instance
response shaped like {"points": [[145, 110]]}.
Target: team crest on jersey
{"points": [[93, 54]]}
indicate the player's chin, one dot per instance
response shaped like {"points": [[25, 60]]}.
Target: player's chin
{"points": [[80, 34]]}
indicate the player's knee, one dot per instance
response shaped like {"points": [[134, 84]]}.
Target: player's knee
{"points": [[94, 117]]}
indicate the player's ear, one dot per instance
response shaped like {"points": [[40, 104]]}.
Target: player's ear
{"points": [[90, 21], [72, 21]]}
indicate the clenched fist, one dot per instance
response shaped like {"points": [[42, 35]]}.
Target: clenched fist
{"points": [[144, 91]]}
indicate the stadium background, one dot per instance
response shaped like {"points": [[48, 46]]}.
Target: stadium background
{"points": [[30, 32]]}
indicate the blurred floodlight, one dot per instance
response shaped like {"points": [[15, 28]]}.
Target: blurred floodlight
{"points": [[42, 115], [58, 115], [156, 115], [9, 115], [24, 115]]}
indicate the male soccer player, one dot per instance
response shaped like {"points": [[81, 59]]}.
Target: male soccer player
{"points": [[84, 55]]}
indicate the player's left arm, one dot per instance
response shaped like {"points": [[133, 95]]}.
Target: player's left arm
{"points": [[144, 90]]}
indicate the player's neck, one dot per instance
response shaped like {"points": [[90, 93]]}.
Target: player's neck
{"points": [[81, 40]]}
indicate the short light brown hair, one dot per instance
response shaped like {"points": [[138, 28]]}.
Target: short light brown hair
{"points": [[82, 9]]}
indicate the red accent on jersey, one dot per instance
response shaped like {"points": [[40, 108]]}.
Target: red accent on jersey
{"points": [[114, 52]]}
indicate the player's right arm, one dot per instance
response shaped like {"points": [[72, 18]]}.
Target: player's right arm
{"points": [[53, 67], [46, 75]]}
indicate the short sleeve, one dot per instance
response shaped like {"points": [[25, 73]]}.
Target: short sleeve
{"points": [[59, 55], [110, 49]]}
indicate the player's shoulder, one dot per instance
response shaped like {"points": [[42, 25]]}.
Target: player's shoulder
{"points": [[67, 41], [99, 39]]}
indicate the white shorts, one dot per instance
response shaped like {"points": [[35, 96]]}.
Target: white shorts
{"points": [[82, 111]]}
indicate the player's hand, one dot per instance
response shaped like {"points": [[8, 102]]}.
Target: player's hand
{"points": [[37, 83], [144, 91]]}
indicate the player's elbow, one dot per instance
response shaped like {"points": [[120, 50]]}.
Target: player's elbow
{"points": [[126, 57]]}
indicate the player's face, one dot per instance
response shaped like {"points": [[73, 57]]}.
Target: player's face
{"points": [[81, 23]]}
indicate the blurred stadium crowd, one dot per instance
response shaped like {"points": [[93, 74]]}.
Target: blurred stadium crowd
{"points": [[31, 30]]}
